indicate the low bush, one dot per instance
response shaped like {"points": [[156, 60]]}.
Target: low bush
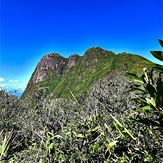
{"points": [[104, 125]]}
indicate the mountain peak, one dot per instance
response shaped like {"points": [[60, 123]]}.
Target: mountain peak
{"points": [[96, 54], [78, 73], [49, 63], [72, 61], [51, 55], [92, 48]]}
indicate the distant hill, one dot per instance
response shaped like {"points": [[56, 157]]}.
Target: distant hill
{"points": [[77, 74]]}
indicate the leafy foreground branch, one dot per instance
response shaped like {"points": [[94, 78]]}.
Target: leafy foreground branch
{"points": [[105, 125], [150, 94]]}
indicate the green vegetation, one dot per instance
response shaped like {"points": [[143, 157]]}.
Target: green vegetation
{"points": [[94, 65], [150, 93], [117, 120], [82, 76]]}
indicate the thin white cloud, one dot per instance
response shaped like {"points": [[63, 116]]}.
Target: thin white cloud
{"points": [[2, 79], [10, 81], [13, 81], [20, 87], [25, 82], [2, 85]]}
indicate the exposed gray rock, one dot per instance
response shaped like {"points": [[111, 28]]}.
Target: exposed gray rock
{"points": [[52, 63], [72, 61]]}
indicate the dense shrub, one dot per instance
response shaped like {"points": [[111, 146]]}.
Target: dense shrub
{"points": [[61, 130], [104, 125]]}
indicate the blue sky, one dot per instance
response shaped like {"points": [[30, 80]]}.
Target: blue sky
{"points": [[33, 28]]}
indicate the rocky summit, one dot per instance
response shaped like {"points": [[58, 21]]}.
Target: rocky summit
{"points": [[77, 74]]}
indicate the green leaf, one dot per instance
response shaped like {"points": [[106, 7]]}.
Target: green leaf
{"points": [[151, 101], [158, 68], [147, 108], [135, 77], [41, 161], [3, 147], [146, 75], [95, 129], [58, 136], [132, 75], [116, 120], [129, 133], [145, 69], [80, 136], [111, 144], [68, 133], [151, 80], [50, 146], [106, 126], [161, 42], [137, 89], [142, 99], [74, 133], [159, 89], [139, 80], [118, 129], [151, 90], [157, 54]]}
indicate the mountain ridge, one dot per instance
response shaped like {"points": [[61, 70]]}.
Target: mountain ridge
{"points": [[79, 73]]}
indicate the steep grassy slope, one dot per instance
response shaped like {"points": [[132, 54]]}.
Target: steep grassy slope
{"points": [[95, 64], [80, 75]]}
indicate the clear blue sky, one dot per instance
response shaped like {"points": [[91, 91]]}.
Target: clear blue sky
{"points": [[33, 28]]}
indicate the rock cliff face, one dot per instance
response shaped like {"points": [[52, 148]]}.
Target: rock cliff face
{"points": [[78, 74], [51, 66], [52, 63], [48, 64], [72, 61]]}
